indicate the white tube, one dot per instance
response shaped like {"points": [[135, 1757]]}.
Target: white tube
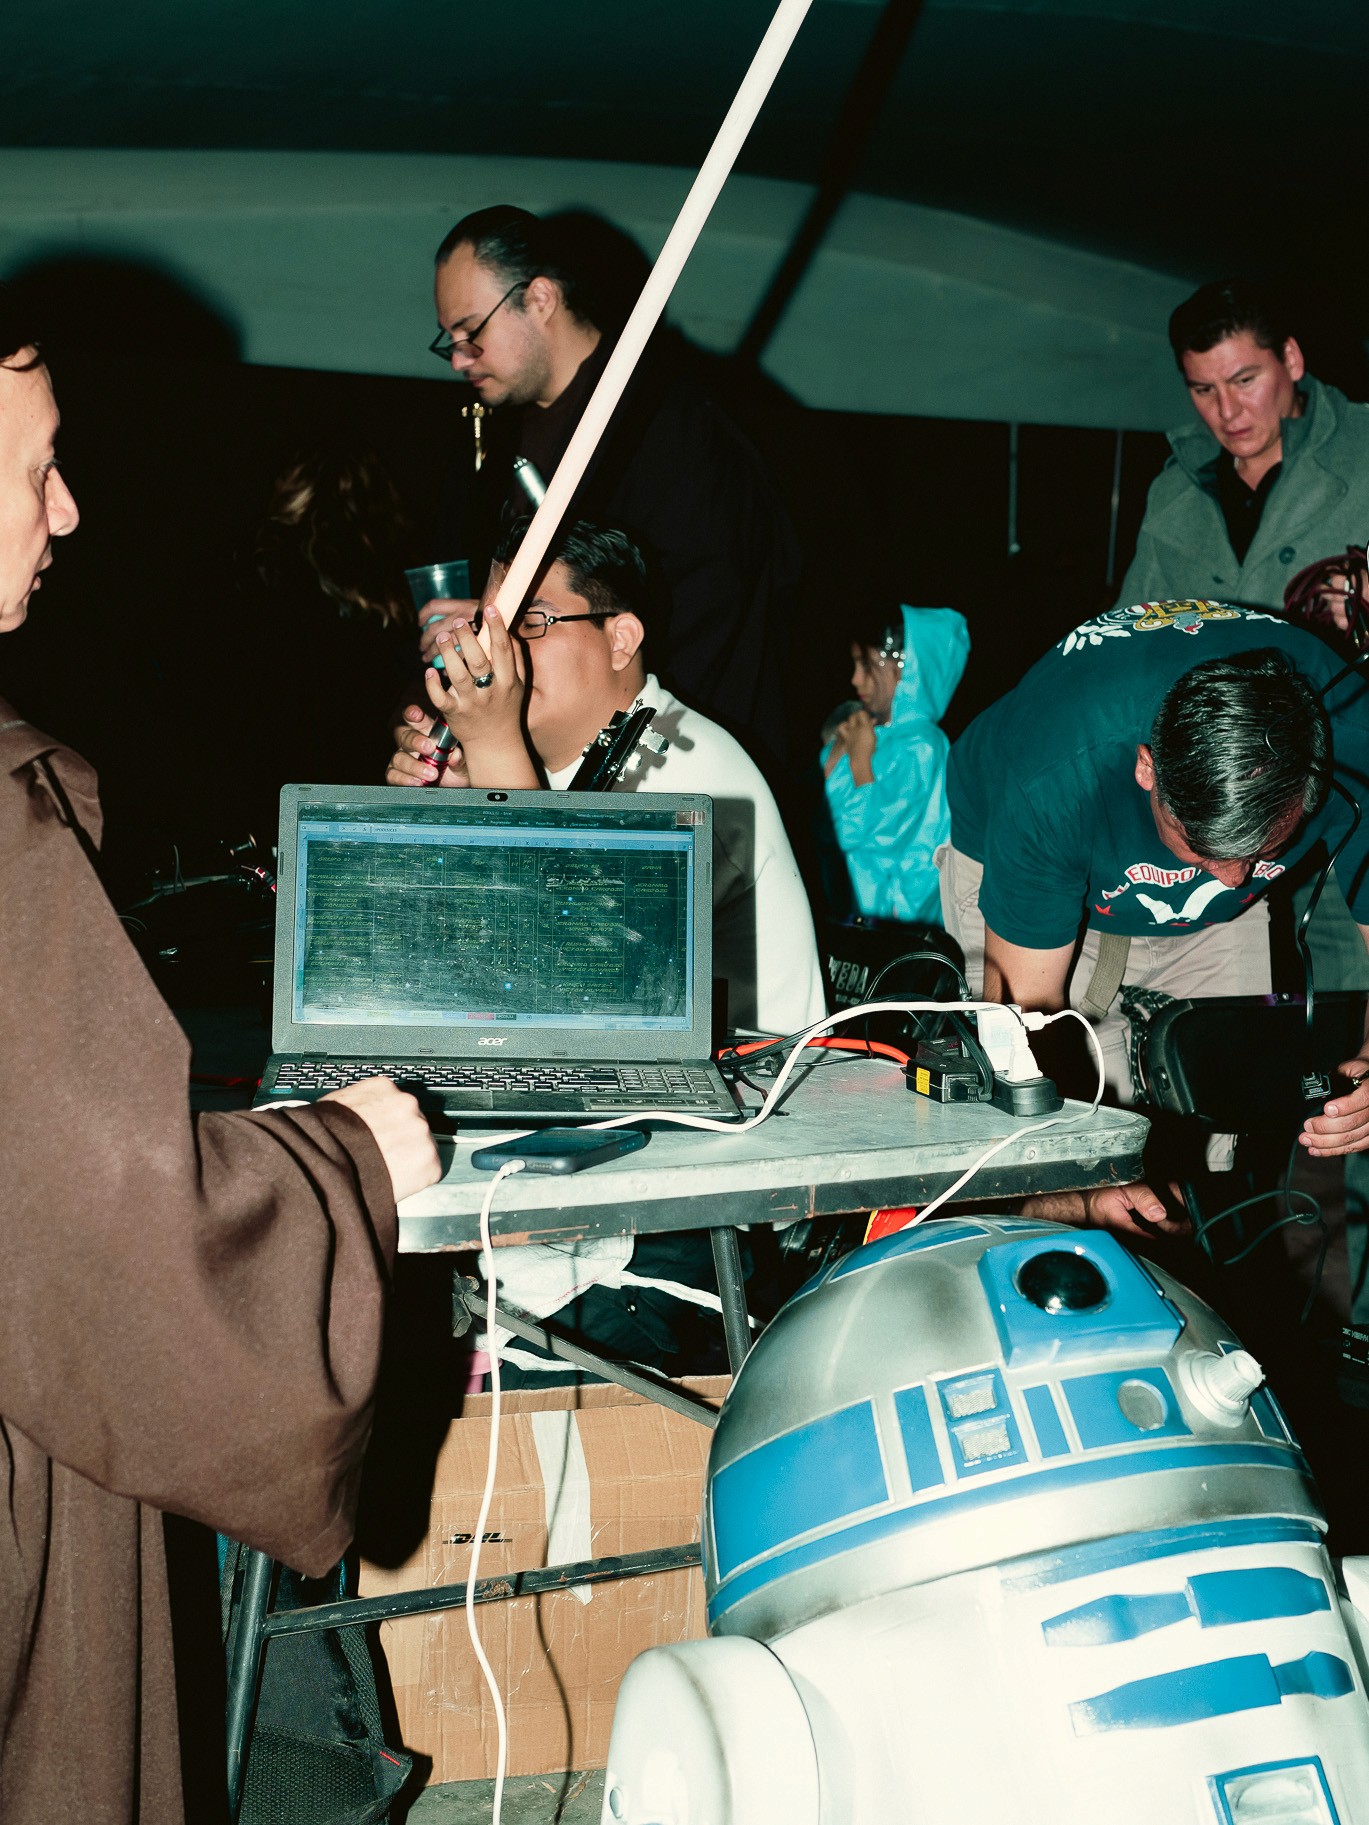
{"points": [[713, 174]]}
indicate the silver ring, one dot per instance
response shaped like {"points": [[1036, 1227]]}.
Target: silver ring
{"points": [[484, 681]]}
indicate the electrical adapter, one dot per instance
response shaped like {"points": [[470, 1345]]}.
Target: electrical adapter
{"points": [[944, 1074]]}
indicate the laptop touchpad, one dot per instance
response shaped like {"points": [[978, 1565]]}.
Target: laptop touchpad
{"points": [[505, 1102]]}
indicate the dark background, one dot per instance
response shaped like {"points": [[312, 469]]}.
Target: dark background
{"points": [[150, 650], [1188, 136], [1191, 136]]}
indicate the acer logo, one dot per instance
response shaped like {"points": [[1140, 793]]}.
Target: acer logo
{"points": [[491, 1042]]}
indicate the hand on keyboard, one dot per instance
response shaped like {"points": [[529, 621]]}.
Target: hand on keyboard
{"points": [[398, 1129]]}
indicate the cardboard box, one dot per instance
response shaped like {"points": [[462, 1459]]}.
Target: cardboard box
{"points": [[583, 1473]]}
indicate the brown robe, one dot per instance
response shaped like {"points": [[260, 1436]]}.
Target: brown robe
{"points": [[190, 1318]]}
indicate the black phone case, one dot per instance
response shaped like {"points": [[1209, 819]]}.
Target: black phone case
{"points": [[614, 1144]]}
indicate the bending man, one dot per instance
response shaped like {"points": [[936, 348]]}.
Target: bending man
{"points": [[1123, 811]]}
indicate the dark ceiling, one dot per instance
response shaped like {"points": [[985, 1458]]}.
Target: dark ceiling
{"points": [[1191, 135]]}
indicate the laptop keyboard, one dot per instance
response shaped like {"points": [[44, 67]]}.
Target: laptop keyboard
{"points": [[682, 1084]]}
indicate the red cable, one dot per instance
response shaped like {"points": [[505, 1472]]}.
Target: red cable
{"points": [[874, 1047]]}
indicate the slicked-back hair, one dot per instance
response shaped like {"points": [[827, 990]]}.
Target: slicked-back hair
{"points": [[1226, 307], [517, 246], [16, 334], [1238, 746], [603, 564]]}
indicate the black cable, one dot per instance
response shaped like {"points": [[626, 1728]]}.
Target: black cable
{"points": [[740, 1077], [1300, 934], [923, 956], [755, 1053], [1363, 1273], [1288, 1192], [974, 1051], [1283, 1223], [915, 1020], [1341, 676], [1312, 1211]]}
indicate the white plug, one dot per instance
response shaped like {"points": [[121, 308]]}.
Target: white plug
{"points": [[1003, 1035]]}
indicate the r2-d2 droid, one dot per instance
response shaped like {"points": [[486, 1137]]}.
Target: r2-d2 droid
{"points": [[1001, 1529]]}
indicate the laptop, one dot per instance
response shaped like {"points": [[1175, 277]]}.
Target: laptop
{"points": [[519, 957]]}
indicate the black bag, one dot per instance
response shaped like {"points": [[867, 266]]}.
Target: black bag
{"points": [[316, 1753]]}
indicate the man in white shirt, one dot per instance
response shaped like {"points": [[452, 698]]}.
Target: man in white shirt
{"points": [[524, 712]]}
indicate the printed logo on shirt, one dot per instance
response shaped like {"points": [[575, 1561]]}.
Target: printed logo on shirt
{"points": [[1159, 877], [1152, 617], [1163, 912], [1193, 906], [1147, 874]]}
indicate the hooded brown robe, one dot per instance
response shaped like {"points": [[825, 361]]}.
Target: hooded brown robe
{"points": [[190, 1319]]}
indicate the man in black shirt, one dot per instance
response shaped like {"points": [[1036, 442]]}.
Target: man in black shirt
{"points": [[527, 326], [1242, 499], [1274, 477], [1147, 781]]}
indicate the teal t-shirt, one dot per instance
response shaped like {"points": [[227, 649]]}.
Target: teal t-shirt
{"points": [[1043, 793]]}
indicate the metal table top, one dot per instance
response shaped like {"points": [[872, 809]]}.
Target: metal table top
{"points": [[850, 1136]]}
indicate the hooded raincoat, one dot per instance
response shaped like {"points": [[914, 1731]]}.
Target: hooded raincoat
{"points": [[890, 829]]}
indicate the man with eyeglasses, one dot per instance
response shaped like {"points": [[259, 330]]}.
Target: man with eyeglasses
{"points": [[575, 658], [527, 321], [524, 714]]}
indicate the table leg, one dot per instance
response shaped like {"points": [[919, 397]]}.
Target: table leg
{"points": [[727, 1263], [244, 1672]]}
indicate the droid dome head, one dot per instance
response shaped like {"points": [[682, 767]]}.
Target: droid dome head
{"points": [[974, 1392]]}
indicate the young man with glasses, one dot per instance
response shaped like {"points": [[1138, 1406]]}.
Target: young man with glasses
{"points": [[524, 707], [525, 710], [527, 319]]}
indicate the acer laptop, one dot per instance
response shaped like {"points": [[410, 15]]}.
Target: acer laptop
{"points": [[508, 956]]}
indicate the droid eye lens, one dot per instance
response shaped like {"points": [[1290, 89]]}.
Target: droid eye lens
{"points": [[1060, 1281]]}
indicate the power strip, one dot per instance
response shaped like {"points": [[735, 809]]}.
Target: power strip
{"points": [[944, 1074], [1024, 1097]]}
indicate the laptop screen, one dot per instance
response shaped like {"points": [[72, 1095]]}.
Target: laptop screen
{"points": [[522, 915]]}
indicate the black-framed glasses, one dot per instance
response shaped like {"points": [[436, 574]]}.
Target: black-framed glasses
{"points": [[444, 345], [534, 622]]}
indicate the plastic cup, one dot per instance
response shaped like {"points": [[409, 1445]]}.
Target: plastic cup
{"points": [[428, 582]]}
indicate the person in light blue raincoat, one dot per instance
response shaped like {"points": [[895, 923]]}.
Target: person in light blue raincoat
{"points": [[884, 763]]}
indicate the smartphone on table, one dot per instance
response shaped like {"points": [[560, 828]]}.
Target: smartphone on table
{"points": [[562, 1149]]}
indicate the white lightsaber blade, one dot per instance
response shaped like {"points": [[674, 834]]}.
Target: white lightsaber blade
{"points": [[694, 212]]}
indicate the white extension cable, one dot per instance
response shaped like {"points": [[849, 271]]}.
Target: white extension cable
{"points": [[506, 1171], [801, 1038], [1032, 1022]]}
